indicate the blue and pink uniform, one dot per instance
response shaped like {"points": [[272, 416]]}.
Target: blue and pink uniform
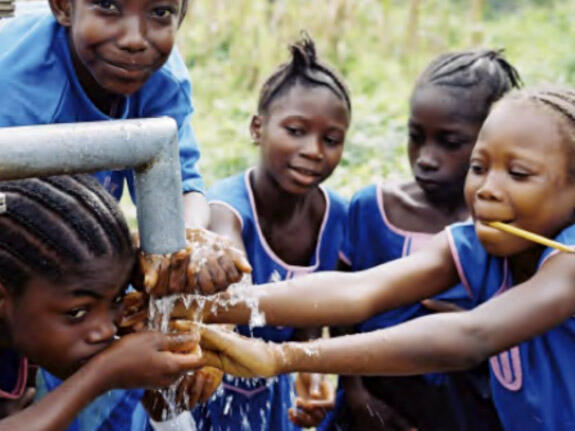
{"points": [[432, 401], [261, 404], [13, 374], [533, 384]]}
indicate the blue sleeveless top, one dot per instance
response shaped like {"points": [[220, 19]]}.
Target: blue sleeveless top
{"points": [[533, 383]]}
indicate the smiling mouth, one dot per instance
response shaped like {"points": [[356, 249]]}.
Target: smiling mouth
{"points": [[306, 172]]}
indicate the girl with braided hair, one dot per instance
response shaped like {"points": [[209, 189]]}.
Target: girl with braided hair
{"points": [[286, 222], [522, 175], [65, 259], [449, 103]]}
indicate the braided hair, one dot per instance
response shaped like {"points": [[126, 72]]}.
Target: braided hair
{"points": [[560, 103], [303, 69], [484, 74], [55, 226]]}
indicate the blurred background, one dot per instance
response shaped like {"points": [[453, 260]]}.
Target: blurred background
{"points": [[379, 46]]}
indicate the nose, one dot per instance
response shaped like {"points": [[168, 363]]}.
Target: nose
{"points": [[489, 189], [103, 330], [133, 36], [312, 148], [427, 159]]}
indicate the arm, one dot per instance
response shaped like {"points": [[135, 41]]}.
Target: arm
{"points": [[196, 210], [325, 298], [441, 342], [138, 360]]}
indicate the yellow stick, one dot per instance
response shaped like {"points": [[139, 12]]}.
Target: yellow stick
{"points": [[531, 236]]}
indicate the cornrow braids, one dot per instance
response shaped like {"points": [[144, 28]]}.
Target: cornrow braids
{"points": [[485, 74], [560, 102], [49, 226], [304, 69]]}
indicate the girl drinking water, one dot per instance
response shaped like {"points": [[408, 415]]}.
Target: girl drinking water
{"points": [[450, 101], [522, 174], [287, 223], [65, 259]]}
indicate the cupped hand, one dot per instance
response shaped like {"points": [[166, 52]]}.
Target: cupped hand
{"points": [[315, 397]]}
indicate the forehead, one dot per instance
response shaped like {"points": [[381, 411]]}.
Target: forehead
{"points": [[522, 125], [438, 104], [310, 102]]}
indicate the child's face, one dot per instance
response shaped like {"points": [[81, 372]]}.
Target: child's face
{"points": [[301, 137], [60, 327], [518, 175], [119, 44], [442, 132]]}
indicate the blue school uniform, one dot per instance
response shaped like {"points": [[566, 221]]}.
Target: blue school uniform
{"points": [[261, 404], [533, 383], [40, 86], [370, 241], [13, 374]]}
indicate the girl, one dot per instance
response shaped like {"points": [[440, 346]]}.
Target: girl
{"points": [[288, 224], [521, 173], [451, 99], [65, 259]]}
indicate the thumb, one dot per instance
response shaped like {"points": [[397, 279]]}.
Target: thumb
{"points": [[315, 386], [241, 261]]}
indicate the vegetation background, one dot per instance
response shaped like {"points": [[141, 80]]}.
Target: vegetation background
{"points": [[380, 46]]}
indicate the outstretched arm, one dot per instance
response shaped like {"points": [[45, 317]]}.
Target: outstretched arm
{"points": [[336, 298], [441, 342]]}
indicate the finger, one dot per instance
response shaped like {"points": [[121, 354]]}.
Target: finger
{"points": [[440, 306], [183, 342], [27, 398], [230, 270], [240, 260], [208, 388], [309, 405], [178, 272], [315, 385], [205, 281], [192, 277], [196, 388], [217, 274], [300, 418]]}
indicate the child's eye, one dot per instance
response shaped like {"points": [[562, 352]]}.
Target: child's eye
{"points": [[164, 12], [295, 131], [107, 5], [519, 175], [76, 314], [332, 141], [476, 168]]}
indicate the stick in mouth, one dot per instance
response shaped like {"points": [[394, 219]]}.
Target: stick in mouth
{"points": [[530, 236]]}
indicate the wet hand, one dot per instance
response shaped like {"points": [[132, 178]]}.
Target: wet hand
{"points": [[315, 396], [208, 264]]}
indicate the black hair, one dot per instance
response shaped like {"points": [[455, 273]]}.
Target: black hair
{"points": [[560, 102], [55, 225], [303, 69], [484, 72]]}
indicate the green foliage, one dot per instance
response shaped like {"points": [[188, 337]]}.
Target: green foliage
{"points": [[232, 45]]}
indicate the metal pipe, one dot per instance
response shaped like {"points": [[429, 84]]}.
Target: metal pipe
{"points": [[150, 146]]}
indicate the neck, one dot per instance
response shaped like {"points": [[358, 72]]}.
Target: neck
{"points": [[449, 206], [105, 101], [272, 202], [524, 265]]}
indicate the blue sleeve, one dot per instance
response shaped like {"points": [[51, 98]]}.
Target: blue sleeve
{"points": [[169, 93], [566, 236]]}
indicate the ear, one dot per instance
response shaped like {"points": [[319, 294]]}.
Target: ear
{"points": [[256, 128], [62, 11]]}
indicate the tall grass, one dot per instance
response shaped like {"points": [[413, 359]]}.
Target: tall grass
{"points": [[379, 46]]}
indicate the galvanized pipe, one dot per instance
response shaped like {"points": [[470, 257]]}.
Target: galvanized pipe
{"points": [[150, 146]]}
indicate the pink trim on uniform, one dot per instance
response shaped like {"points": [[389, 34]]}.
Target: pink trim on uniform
{"points": [[231, 208], [295, 268], [20, 383], [457, 261], [344, 258], [244, 392]]}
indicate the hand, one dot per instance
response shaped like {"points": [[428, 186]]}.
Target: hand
{"points": [[440, 306], [193, 388], [315, 396], [237, 355], [146, 360], [208, 264], [371, 413]]}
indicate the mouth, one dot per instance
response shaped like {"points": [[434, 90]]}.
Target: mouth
{"points": [[128, 70], [304, 175], [428, 183]]}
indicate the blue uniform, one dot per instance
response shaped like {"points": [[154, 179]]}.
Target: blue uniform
{"points": [[260, 404], [13, 374], [533, 384], [40, 86], [370, 241]]}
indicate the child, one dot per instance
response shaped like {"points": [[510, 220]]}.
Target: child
{"points": [[450, 101], [288, 224], [521, 173], [65, 259]]}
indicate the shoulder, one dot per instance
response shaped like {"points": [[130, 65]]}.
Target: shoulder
{"points": [[566, 236], [232, 192], [31, 54], [337, 203]]}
